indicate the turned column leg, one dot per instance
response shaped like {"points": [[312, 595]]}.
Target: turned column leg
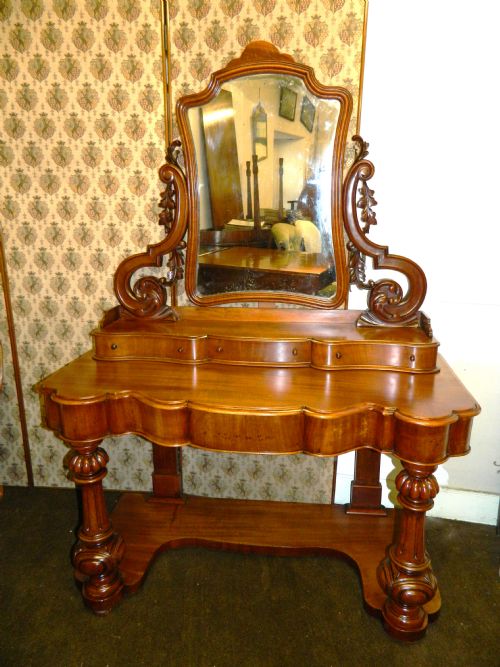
{"points": [[98, 551], [406, 575]]}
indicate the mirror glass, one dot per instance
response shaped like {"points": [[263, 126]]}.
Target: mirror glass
{"points": [[264, 149]]}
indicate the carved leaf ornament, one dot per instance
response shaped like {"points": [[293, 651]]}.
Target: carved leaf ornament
{"points": [[387, 302]]}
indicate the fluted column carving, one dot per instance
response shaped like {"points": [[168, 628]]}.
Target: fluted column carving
{"points": [[406, 575], [98, 551]]}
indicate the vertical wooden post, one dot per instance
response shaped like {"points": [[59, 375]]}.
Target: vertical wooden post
{"points": [[256, 201], [406, 575], [4, 279], [366, 490], [167, 98], [99, 550], [167, 477], [281, 212], [249, 191]]}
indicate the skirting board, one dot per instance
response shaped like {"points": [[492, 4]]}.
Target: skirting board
{"points": [[457, 504]]}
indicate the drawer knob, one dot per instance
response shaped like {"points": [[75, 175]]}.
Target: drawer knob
{"points": [[412, 358], [338, 355], [295, 352], [220, 348], [180, 349], [114, 346]]}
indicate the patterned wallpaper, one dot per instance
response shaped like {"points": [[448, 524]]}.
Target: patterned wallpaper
{"points": [[81, 140], [325, 34]]}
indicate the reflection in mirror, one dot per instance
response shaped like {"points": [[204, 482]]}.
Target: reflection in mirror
{"points": [[264, 150], [259, 132]]}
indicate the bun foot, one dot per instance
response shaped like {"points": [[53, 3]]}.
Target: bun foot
{"points": [[97, 568]]}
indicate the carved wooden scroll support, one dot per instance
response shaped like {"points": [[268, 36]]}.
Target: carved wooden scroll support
{"points": [[148, 296], [387, 303]]}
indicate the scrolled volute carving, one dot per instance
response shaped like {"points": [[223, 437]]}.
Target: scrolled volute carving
{"points": [[151, 292], [387, 302], [148, 296]]}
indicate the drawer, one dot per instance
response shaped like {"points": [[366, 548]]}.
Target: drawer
{"points": [[378, 355], [260, 352], [166, 348]]}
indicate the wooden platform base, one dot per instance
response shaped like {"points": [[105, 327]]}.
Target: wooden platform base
{"points": [[150, 525]]}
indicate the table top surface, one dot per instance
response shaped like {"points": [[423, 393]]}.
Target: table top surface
{"points": [[267, 259], [433, 396], [424, 418]]}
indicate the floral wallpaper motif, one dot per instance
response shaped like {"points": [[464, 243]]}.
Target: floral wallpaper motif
{"points": [[81, 140], [326, 35]]}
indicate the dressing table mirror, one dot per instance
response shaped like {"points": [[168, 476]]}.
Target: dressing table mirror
{"points": [[261, 209], [263, 224]]}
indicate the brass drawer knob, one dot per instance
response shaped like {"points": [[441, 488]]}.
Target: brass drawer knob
{"points": [[114, 346]]}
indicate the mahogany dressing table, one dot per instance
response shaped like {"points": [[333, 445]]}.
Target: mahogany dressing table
{"points": [[311, 378]]}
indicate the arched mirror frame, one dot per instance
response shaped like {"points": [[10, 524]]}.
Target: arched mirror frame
{"points": [[263, 58]]}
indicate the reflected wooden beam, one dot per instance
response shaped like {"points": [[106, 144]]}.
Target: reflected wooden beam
{"points": [[249, 192], [219, 131], [256, 201], [280, 192]]}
